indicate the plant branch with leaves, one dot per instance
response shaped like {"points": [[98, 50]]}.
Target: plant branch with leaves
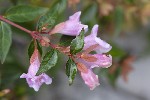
{"points": [[78, 51]]}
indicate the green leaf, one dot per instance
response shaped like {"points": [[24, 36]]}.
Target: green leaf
{"points": [[117, 52], [49, 19], [77, 44], [24, 13], [65, 40], [5, 40], [91, 12], [32, 47], [118, 20], [49, 61], [71, 70]]}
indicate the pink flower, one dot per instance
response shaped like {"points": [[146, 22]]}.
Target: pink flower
{"points": [[90, 79], [70, 27], [34, 81], [92, 39], [100, 60]]}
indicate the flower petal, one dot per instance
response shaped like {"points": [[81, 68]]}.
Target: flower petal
{"points": [[102, 61], [90, 79], [92, 39], [34, 81], [70, 27], [75, 16]]}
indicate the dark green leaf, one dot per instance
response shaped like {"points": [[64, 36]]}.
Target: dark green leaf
{"points": [[77, 44], [71, 70], [62, 5], [91, 12], [5, 40], [65, 40], [24, 13], [118, 19], [49, 61], [32, 47], [49, 19]]}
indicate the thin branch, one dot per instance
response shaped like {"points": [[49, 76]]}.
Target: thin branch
{"points": [[16, 25]]}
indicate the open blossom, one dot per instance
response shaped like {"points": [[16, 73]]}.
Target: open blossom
{"points": [[92, 39], [35, 81], [90, 79], [100, 60], [70, 27]]}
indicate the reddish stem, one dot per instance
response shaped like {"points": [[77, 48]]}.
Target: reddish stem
{"points": [[15, 25], [34, 34]]}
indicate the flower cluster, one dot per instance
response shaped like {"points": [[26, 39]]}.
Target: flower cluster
{"points": [[85, 61]]}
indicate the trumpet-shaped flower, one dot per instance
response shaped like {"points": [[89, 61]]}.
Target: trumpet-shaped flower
{"points": [[70, 27], [100, 60], [34, 81], [92, 39], [90, 79]]}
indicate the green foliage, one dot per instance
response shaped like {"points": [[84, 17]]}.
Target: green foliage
{"points": [[49, 19], [24, 13], [77, 44], [118, 20], [5, 40], [49, 61], [62, 5], [91, 12], [65, 40], [71, 70], [32, 48], [112, 77], [116, 51]]}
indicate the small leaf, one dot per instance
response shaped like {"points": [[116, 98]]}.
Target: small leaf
{"points": [[48, 20], [118, 19], [71, 70], [77, 44], [49, 61], [65, 40], [5, 40], [24, 13], [32, 48]]}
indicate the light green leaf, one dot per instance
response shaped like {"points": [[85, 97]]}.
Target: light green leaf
{"points": [[5, 40], [24, 13], [71, 70], [77, 44], [49, 61]]}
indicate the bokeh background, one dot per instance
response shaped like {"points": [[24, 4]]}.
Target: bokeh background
{"points": [[125, 24]]}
